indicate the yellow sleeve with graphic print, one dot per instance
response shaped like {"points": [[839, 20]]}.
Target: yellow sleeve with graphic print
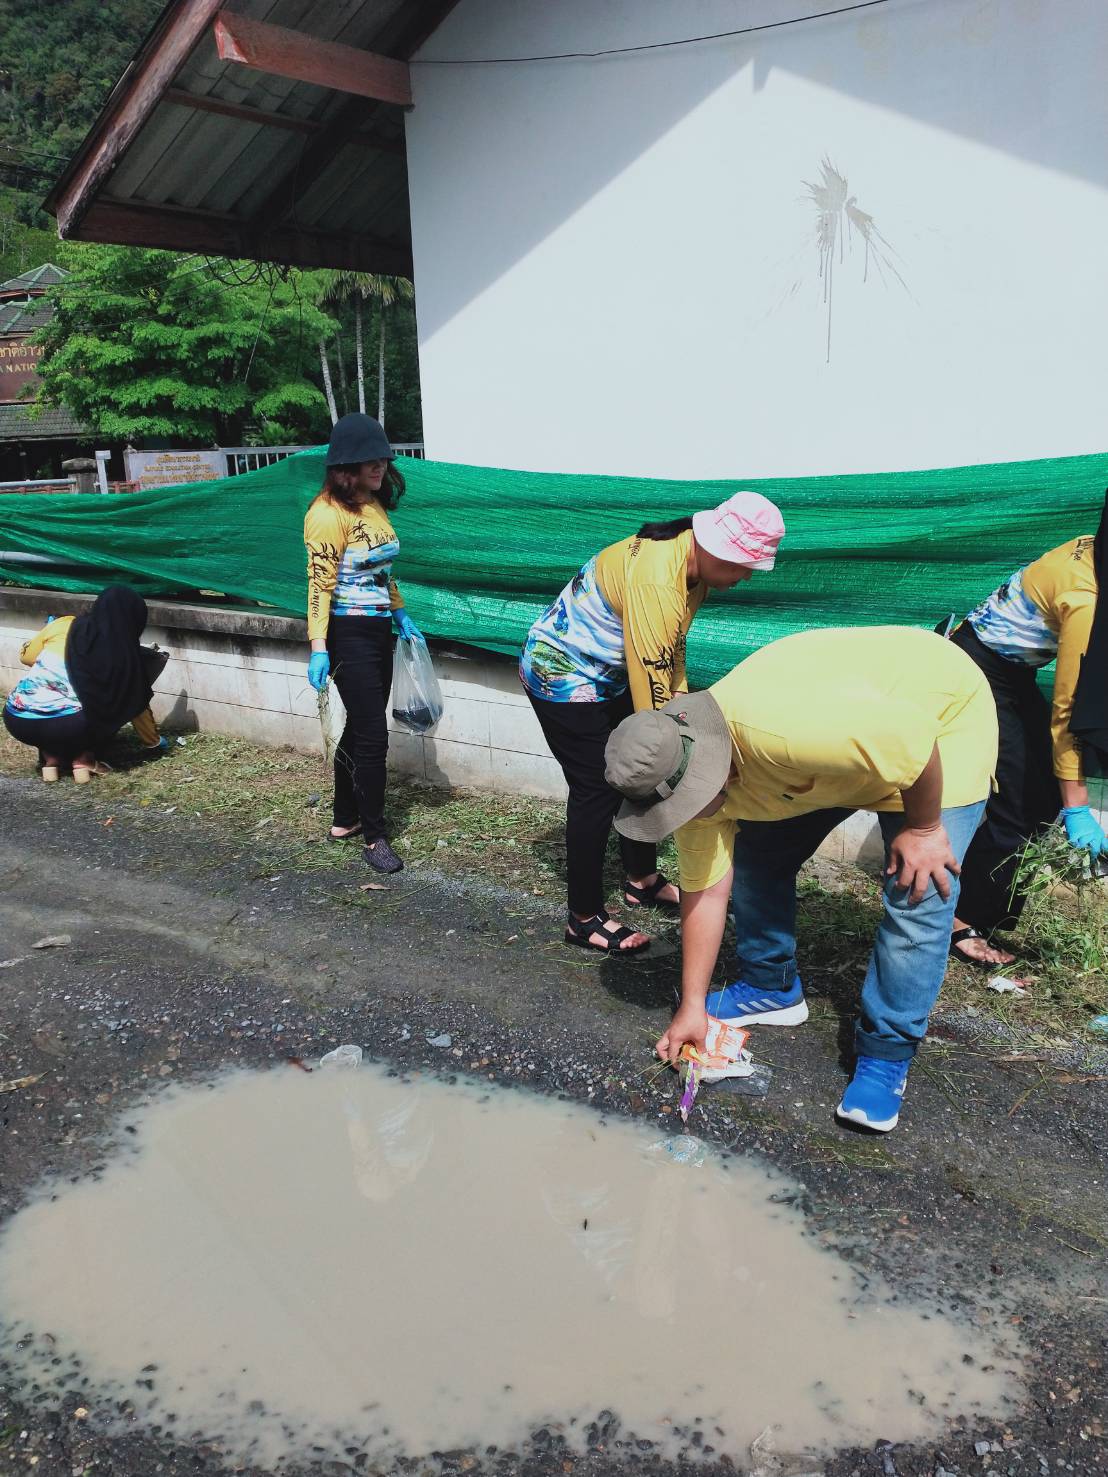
{"points": [[1076, 610], [52, 637], [654, 627], [325, 541], [645, 581]]}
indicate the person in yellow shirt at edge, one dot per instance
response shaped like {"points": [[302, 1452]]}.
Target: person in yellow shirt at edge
{"points": [[353, 601], [753, 774], [613, 643], [87, 679], [1045, 611]]}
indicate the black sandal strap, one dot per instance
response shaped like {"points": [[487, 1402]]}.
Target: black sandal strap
{"points": [[960, 935], [582, 930], [648, 896]]}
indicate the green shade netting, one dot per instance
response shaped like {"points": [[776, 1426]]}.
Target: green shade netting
{"points": [[482, 551]]}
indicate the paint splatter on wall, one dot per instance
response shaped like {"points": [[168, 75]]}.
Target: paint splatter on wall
{"points": [[839, 218]]}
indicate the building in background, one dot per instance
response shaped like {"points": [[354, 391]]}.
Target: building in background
{"points": [[728, 239], [31, 446]]}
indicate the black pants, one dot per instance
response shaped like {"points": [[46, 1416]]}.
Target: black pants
{"points": [[1027, 798], [360, 647], [577, 733], [66, 736]]}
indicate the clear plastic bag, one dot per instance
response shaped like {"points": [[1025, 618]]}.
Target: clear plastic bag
{"points": [[416, 694]]}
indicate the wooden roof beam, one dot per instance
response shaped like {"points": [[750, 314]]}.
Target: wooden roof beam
{"points": [[302, 58], [212, 233], [135, 99], [206, 103]]}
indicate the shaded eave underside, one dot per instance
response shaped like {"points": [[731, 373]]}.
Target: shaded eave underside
{"points": [[319, 180]]}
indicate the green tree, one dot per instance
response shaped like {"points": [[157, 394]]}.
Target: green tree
{"points": [[359, 288], [59, 62], [21, 246], [345, 294], [147, 345]]}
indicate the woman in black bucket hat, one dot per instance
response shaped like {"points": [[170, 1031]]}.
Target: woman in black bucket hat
{"points": [[353, 601]]}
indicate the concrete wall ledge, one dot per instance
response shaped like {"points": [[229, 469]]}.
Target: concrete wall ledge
{"points": [[170, 615], [244, 673]]}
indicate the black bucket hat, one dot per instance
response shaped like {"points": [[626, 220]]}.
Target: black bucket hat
{"points": [[358, 438]]}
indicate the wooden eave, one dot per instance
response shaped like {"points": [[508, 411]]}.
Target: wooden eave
{"points": [[373, 82]]}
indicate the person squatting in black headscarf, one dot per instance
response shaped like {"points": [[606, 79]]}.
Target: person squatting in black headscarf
{"points": [[87, 679]]}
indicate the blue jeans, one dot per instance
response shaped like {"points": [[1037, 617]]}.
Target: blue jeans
{"points": [[909, 955]]}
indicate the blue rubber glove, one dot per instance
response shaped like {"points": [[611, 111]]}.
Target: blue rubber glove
{"points": [[162, 746], [319, 670], [406, 628], [1083, 830]]}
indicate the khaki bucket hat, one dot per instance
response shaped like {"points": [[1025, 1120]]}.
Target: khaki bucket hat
{"points": [[669, 765]]}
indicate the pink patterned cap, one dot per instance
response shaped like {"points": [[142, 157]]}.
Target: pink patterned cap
{"points": [[746, 529]]}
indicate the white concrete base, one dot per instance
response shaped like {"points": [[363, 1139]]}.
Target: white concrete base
{"points": [[244, 674]]}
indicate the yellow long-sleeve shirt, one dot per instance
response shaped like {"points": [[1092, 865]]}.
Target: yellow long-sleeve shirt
{"points": [[48, 692], [843, 718], [350, 558], [621, 622], [1045, 611]]}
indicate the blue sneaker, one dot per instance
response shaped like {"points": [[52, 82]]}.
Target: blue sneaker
{"points": [[874, 1094], [747, 1005]]}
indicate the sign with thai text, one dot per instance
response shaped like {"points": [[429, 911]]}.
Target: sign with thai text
{"points": [[173, 468], [18, 359]]}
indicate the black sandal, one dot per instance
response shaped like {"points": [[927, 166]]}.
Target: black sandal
{"points": [[647, 897], [346, 835], [579, 931], [959, 936]]}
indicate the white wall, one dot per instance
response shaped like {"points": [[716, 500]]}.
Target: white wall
{"points": [[617, 262]]}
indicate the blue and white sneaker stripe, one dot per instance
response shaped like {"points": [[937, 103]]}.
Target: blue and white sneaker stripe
{"points": [[749, 1005], [874, 1094]]}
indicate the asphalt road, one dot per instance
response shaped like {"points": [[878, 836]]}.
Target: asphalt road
{"points": [[191, 950]]}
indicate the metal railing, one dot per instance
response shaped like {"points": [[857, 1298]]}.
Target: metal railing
{"points": [[249, 458], [239, 459]]}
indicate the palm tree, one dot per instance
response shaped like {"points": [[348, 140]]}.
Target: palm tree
{"points": [[385, 291], [328, 388]]}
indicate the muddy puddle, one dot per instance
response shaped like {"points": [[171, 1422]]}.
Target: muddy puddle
{"points": [[362, 1263]]}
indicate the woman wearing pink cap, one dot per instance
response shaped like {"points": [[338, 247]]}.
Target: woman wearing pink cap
{"points": [[611, 644]]}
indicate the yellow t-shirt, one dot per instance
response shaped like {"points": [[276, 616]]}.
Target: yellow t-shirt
{"points": [[843, 719], [350, 558], [645, 581]]}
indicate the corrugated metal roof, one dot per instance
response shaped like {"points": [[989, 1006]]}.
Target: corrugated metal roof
{"points": [[339, 170]]}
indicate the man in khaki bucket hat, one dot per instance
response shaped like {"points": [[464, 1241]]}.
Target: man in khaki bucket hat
{"points": [[753, 774]]}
